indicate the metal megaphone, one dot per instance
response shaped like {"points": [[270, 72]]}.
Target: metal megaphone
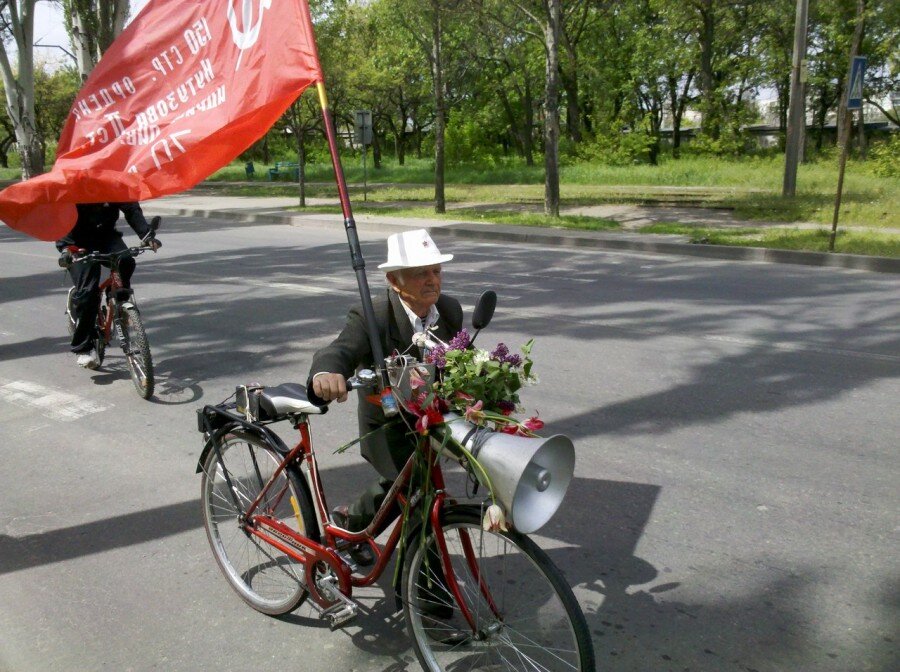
{"points": [[530, 475]]}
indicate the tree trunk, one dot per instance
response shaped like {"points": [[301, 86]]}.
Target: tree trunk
{"points": [[4, 149], [31, 154], [709, 119], [551, 111], [569, 79], [783, 89], [400, 147], [517, 132], [821, 115], [437, 75], [376, 150], [301, 166], [528, 131], [418, 137], [861, 134]]}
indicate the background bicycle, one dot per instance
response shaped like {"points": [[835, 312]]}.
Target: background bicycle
{"points": [[118, 314]]}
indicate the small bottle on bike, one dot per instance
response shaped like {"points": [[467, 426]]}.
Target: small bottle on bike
{"points": [[389, 403]]}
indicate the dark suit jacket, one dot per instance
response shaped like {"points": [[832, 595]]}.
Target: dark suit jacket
{"points": [[387, 450]]}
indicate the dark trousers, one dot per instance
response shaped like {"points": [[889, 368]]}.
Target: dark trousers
{"points": [[363, 510], [86, 297]]}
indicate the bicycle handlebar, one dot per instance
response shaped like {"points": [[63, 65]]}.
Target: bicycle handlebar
{"points": [[78, 254]]}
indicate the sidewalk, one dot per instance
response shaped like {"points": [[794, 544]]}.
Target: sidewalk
{"points": [[277, 210]]}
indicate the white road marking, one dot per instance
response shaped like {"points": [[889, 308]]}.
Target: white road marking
{"points": [[51, 403]]}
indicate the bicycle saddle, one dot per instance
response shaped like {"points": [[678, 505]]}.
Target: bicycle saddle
{"points": [[277, 402]]}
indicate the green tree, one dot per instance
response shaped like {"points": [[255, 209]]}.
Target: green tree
{"points": [[428, 24], [54, 91], [17, 28], [92, 26], [541, 20]]}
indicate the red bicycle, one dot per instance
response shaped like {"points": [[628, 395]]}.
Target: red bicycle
{"points": [[119, 314], [473, 599]]}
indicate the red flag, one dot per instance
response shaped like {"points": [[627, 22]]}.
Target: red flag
{"points": [[185, 88]]}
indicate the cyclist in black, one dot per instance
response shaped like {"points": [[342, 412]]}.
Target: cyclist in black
{"points": [[95, 231]]}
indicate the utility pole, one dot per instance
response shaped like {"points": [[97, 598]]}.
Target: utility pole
{"points": [[845, 120], [797, 109]]}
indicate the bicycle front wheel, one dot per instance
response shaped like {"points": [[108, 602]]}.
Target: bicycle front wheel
{"points": [[526, 616], [267, 579], [137, 351]]}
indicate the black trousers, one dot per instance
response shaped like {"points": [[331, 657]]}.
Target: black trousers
{"points": [[363, 510], [86, 297]]}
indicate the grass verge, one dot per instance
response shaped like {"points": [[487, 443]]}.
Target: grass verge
{"points": [[810, 240], [751, 187]]}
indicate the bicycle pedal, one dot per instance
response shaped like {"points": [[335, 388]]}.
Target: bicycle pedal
{"points": [[340, 613]]}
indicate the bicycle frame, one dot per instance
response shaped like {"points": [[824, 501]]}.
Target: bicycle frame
{"points": [[108, 289], [309, 553]]}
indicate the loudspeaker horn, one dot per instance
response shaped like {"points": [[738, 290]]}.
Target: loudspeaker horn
{"points": [[530, 475]]}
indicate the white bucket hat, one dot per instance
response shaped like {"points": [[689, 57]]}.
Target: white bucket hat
{"points": [[411, 249]]}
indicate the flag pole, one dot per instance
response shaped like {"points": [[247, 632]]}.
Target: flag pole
{"points": [[359, 265]]}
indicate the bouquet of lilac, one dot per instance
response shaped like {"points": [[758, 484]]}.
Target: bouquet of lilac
{"points": [[483, 385]]}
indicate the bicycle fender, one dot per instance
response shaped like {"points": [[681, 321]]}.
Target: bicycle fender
{"points": [[415, 528], [216, 422]]}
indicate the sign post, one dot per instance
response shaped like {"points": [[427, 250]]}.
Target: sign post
{"points": [[363, 136], [853, 101]]}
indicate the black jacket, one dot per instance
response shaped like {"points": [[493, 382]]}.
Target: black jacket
{"points": [[351, 351], [96, 224]]}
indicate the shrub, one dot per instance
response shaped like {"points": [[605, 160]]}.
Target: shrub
{"points": [[615, 146], [885, 157]]}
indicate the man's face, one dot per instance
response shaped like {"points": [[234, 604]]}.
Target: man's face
{"points": [[419, 287]]}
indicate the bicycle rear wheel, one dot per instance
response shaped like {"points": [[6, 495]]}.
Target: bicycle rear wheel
{"points": [[535, 622], [267, 579], [100, 338], [137, 350], [70, 311]]}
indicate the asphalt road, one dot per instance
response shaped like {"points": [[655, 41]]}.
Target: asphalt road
{"points": [[735, 506]]}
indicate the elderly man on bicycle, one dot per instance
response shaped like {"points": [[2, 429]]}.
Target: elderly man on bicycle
{"points": [[413, 303], [95, 231]]}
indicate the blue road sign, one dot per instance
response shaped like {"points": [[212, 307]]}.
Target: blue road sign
{"points": [[855, 99]]}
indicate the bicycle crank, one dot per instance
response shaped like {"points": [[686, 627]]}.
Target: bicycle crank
{"points": [[343, 610]]}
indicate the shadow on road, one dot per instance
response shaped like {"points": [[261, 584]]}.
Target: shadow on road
{"points": [[631, 628], [220, 334]]}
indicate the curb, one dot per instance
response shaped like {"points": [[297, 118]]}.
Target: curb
{"points": [[273, 217], [652, 243]]}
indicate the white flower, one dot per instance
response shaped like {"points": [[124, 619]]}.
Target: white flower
{"points": [[481, 356], [494, 519]]}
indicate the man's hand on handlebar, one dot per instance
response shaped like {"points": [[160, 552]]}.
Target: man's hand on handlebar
{"points": [[65, 259], [151, 241], [330, 386]]}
